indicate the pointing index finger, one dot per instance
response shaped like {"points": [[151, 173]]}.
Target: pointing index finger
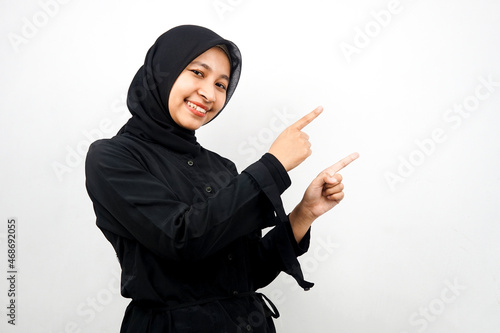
{"points": [[302, 122], [341, 164]]}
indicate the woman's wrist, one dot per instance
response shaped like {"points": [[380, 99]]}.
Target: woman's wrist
{"points": [[300, 220]]}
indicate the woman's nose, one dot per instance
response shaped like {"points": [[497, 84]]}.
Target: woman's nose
{"points": [[207, 92]]}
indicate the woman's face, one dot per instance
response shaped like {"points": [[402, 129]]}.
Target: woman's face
{"points": [[199, 93]]}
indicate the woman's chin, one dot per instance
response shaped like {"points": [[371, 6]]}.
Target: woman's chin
{"points": [[192, 126]]}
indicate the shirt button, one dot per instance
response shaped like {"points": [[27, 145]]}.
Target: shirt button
{"points": [[249, 328], [230, 256], [235, 293], [208, 189], [190, 163]]}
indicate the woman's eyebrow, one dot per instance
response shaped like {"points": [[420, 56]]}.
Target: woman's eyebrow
{"points": [[202, 64]]}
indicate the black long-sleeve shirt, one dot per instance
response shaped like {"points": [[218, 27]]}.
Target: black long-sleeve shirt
{"points": [[187, 233]]}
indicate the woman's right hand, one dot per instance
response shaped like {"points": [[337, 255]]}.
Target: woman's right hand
{"points": [[292, 146]]}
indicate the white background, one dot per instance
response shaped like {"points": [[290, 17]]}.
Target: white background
{"points": [[414, 246]]}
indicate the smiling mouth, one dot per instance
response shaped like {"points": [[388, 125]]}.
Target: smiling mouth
{"points": [[196, 107]]}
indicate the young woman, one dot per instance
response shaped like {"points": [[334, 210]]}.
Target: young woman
{"points": [[186, 227]]}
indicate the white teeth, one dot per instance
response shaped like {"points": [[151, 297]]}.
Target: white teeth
{"points": [[196, 107]]}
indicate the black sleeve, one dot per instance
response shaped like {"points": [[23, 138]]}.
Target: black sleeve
{"points": [[145, 209], [278, 250], [273, 251]]}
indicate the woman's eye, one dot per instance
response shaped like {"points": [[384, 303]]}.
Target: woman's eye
{"points": [[197, 72], [220, 85]]}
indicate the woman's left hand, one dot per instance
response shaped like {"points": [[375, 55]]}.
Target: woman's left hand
{"points": [[324, 193]]}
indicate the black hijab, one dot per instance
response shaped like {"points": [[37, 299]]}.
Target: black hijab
{"points": [[150, 89]]}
